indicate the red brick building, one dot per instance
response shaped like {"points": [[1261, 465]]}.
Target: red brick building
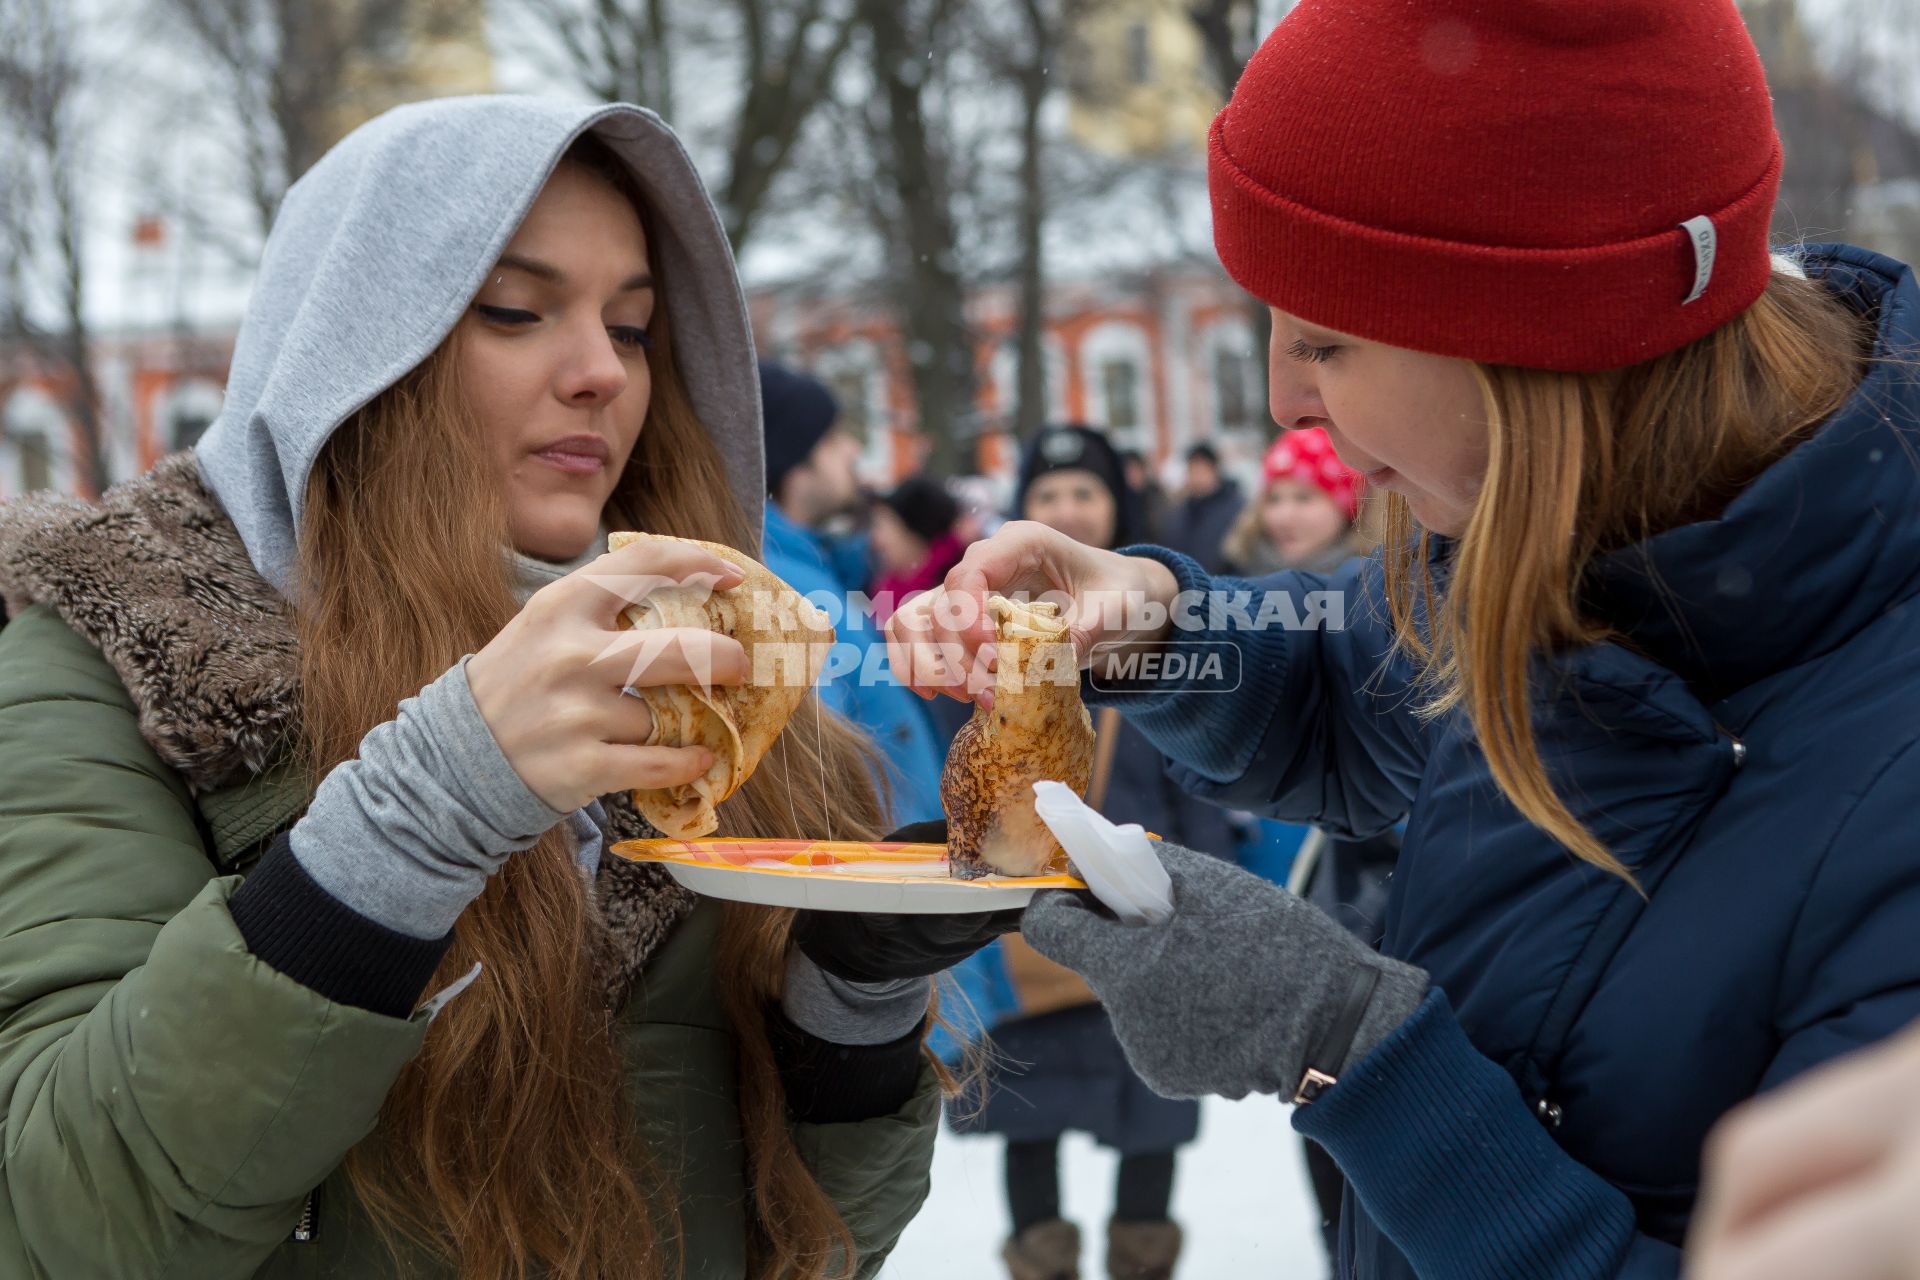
{"points": [[158, 393], [1162, 360]]}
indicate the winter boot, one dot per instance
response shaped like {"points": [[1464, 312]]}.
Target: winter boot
{"points": [[1142, 1250], [1044, 1251]]}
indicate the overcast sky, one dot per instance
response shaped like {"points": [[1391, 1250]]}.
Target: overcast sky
{"points": [[166, 147]]}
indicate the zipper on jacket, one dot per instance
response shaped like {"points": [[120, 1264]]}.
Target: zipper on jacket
{"points": [[309, 1224]]}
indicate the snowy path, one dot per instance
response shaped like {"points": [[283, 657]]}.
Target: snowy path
{"points": [[1242, 1196]]}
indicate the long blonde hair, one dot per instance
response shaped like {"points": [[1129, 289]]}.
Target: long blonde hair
{"points": [[507, 1147], [1583, 464]]}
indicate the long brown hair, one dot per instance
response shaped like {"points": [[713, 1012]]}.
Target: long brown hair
{"points": [[1583, 464], [507, 1146]]}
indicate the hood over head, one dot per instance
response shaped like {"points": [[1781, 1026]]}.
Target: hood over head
{"points": [[377, 252]]}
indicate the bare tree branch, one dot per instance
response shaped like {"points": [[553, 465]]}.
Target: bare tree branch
{"points": [[788, 80], [285, 67], [42, 79]]}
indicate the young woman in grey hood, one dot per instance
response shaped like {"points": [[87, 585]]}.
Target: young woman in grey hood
{"points": [[277, 715]]}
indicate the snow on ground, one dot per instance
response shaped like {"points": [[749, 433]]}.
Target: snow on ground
{"points": [[1242, 1196]]}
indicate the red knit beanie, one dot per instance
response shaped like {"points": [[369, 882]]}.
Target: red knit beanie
{"points": [[1560, 184], [1307, 457]]}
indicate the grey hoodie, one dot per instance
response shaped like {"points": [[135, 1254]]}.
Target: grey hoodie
{"points": [[381, 247]]}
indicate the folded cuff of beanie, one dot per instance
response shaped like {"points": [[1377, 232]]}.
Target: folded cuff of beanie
{"points": [[1575, 309]]}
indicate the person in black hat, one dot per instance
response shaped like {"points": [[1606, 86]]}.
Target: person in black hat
{"points": [[914, 541], [810, 479], [1149, 502], [811, 459]]}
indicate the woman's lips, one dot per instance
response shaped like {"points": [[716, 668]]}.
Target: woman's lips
{"points": [[1379, 475], [576, 455]]}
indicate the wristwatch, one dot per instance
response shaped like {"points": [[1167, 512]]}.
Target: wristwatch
{"points": [[1324, 1059]]}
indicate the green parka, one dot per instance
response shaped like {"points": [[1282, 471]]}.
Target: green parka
{"points": [[171, 1103]]}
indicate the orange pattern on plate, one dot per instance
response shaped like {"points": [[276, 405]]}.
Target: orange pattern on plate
{"points": [[807, 857]]}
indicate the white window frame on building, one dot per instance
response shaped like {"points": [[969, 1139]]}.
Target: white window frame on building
{"points": [[190, 404], [1004, 369], [36, 444], [1227, 347], [1108, 348]]}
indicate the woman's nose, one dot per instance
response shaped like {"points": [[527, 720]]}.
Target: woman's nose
{"points": [[1294, 402], [1292, 395], [596, 374]]}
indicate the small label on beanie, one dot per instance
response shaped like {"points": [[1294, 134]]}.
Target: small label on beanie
{"points": [[1706, 246]]}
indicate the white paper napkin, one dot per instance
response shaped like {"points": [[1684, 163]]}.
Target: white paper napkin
{"points": [[1117, 862]]}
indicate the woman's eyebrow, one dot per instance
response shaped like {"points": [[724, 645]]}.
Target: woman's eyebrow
{"points": [[553, 275]]}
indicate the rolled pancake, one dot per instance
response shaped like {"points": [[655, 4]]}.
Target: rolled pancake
{"points": [[1038, 730], [786, 639]]}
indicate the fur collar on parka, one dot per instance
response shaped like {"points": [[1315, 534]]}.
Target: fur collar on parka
{"points": [[156, 578]]}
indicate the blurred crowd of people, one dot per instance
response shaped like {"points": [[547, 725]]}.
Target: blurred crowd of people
{"points": [[1055, 1065]]}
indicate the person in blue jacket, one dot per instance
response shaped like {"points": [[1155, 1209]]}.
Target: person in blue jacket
{"points": [[1056, 1067], [1635, 665], [810, 478]]}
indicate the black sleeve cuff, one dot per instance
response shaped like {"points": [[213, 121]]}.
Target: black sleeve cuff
{"points": [[831, 1083], [299, 928]]}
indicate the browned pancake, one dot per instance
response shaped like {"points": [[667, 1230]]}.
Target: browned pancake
{"points": [[786, 639], [1038, 730]]}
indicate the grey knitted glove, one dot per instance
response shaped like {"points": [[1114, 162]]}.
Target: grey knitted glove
{"points": [[1236, 991]]}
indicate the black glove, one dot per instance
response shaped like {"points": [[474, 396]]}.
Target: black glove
{"points": [[884, 948]]}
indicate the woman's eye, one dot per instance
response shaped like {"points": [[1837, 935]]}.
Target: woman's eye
{"points": [[1312, 355], [506, 315], [632, 336]]}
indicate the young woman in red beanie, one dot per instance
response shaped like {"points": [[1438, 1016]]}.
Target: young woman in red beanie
{"points": [[1634, 667], [1303, 517]]}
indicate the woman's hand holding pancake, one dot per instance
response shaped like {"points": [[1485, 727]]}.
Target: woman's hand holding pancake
{"points": [[549, 684], [940, 641]]}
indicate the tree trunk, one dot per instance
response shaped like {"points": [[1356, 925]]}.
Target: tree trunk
{"points": [[929, 295], [1229, 31], [1030, 398], [659, 57], [41, 82], [76, 344], [1225, 33], [304, 78]]}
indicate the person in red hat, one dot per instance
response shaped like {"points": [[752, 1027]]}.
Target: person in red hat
{"points": [[1304, 515], [1634, 666]]}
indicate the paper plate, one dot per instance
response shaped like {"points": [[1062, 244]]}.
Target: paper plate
{"points": [[835, 875]]}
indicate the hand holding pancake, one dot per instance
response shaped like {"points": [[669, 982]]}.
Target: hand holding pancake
{"points": [[783, 640], [1035, 729], [941, 641], [549, 684]]}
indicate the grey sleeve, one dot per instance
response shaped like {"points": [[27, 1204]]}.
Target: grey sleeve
{"points": [[407, 832], [843, 1012]]}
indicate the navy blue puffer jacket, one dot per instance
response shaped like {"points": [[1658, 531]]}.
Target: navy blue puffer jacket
{"points": [[1751, 755]]}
